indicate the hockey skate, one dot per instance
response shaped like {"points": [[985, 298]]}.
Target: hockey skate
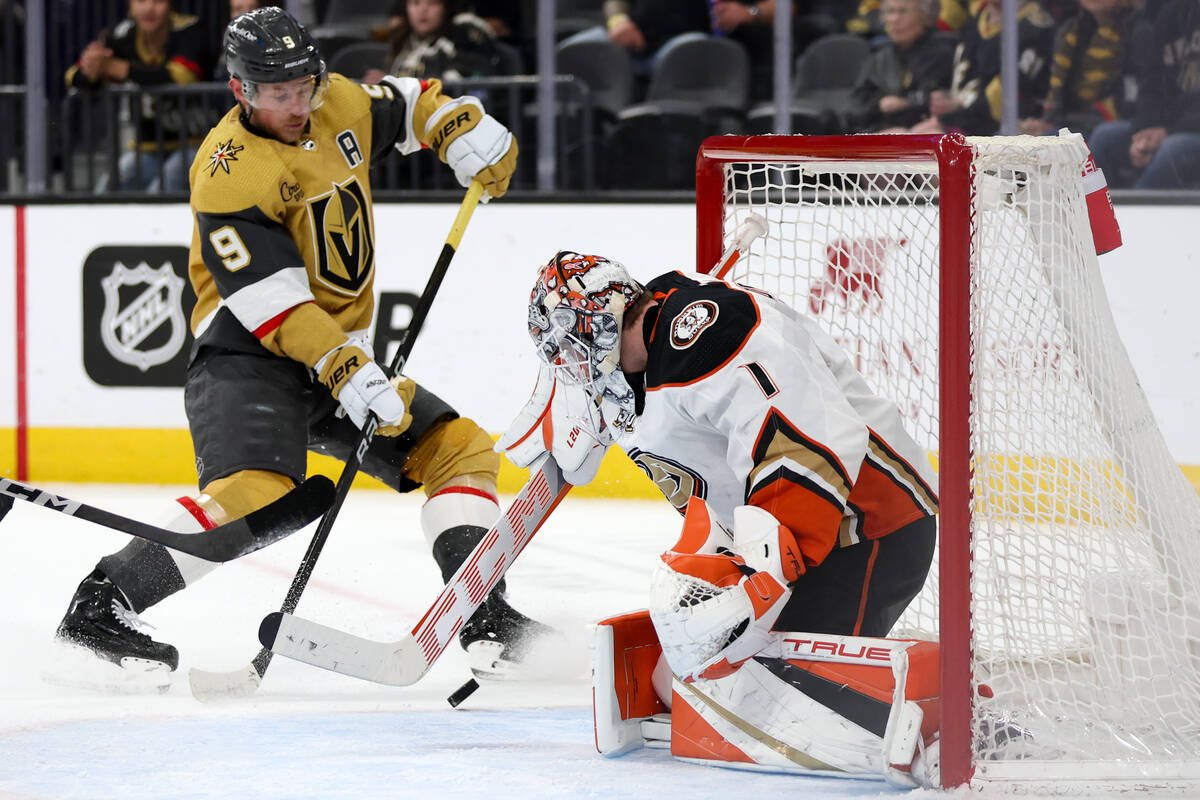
{"points": [[114, 655], [499, 640]]}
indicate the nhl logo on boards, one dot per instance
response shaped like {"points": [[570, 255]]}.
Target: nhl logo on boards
{"points": [[140, 313], [691, 322], [125, 329]]}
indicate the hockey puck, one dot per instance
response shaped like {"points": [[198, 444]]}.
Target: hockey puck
{"points": [[462, 693]]}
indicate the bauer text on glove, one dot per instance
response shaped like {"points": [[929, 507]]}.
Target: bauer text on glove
{"points": [[474, 144], [361, 386]]}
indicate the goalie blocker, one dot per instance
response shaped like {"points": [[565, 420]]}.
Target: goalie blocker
{"points": [[836, 706]]}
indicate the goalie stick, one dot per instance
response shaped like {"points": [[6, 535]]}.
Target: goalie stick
{"points": [[208, 685], [225, 542], [406, 661]]}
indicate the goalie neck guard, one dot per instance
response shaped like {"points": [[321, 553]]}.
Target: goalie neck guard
{"points": [[268, 46], [575, 315]]}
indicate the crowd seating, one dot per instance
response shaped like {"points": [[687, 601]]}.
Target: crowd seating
{"points": [[644, 130]]}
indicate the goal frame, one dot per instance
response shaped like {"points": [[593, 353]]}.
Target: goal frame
{"points": [[954, 160]]}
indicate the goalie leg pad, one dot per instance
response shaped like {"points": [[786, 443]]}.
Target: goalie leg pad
{"points": [[628, 684], [836, 719]]}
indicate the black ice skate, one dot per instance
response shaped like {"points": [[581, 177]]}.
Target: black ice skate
{"points": [[499, 639], [101, 621]]}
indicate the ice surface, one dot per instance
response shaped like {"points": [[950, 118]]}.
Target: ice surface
{"points": [[308, 733]]}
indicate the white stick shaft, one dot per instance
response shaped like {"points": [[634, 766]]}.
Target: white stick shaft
{"points": [[406, 660]]}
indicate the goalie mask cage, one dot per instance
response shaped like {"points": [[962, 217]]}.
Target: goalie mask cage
{"points": [[960, 275]]}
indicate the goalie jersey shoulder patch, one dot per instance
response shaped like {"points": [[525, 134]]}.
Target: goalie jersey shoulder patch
{"points": [[700, 327]]}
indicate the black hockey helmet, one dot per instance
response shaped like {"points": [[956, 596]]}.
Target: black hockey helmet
{"points": [[267, 45]]}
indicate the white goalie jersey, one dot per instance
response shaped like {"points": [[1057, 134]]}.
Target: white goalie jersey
{"points": [[747, 402]]}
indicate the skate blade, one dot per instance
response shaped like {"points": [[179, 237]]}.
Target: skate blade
{"points": [[545, 657], [77, 667], [488, 664]]}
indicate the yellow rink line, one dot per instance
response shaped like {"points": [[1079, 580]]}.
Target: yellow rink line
{"points": [[164, 456]]}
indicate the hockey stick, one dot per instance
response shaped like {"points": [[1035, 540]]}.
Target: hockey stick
{"points": [[225, 542], [405, 661], [208, 685], [753, 227]]}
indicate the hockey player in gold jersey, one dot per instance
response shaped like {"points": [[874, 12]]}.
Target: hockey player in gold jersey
{"points": [[282, 263]]}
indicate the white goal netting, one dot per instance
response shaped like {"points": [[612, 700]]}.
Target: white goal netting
{"points": [[1085, 535]]}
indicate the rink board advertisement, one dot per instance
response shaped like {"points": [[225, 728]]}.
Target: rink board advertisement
{"points": [[106, 304]]}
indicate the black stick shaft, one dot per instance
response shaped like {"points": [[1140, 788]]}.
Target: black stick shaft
{"points": [[305, 570]]}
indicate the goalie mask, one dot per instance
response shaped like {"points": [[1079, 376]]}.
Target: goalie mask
{"points": [[275, 59], [575, 315]]}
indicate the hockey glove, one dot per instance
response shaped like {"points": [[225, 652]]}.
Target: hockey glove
{"points": [[474, 144], [562, 420], [361, 386], [766, 545], [712, 611]]}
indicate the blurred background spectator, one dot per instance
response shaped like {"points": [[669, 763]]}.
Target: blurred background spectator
{"points": [[868, 18], [236, 9], [974, 102], [152, 47], [893, 90], [1159, 148], [647, 29], [1093, 74], [437, 39], [933, 65]]}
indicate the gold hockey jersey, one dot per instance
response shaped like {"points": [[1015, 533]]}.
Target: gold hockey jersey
{"points": [[280, 225]]}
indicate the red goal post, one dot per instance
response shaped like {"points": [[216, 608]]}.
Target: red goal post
{"points": [[961, 276]]}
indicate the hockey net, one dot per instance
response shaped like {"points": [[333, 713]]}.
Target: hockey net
{"points": [[961, 277]]}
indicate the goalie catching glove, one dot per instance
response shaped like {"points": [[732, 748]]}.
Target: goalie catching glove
{"points": [[713, 608], [473, 144], [362, 388], [560, 419]]}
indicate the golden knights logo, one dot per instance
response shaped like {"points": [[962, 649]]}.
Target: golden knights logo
{"points": [[220, 158], [342, 237]]}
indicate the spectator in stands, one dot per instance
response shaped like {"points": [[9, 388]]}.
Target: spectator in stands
{"points": [[1159, 148], [1093, 75], [436, 39], [236, 9], [648, 29], [893, 90], [753, 25], [154, 46], [974, 102], [868, 19]]}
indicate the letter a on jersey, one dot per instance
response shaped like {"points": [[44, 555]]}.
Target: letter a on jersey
{"points": [[342, 239]]}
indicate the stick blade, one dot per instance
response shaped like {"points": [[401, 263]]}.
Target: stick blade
{"points": [[399, 663], [216, 687]]}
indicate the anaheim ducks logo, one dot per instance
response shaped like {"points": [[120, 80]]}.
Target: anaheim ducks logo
{"points": [[676, 481], [342, 238], [689, 323]]}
